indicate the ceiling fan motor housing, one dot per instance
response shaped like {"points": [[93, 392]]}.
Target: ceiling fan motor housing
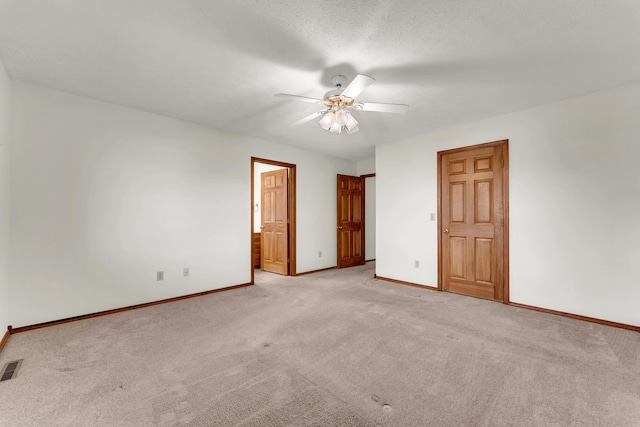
{"points": [[338, 80]]}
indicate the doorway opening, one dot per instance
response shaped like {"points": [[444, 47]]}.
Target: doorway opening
{"points": [[473, 221], [273, 217], [355, 223], [350, 221]]}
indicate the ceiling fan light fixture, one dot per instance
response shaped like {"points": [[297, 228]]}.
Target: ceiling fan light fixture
{"points": [[335, 121], [353, 130], [327, 120]]}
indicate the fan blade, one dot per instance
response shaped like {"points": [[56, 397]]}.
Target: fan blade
{"points": [[357, 86], [385, 108], [308, 118], [299, 98]]}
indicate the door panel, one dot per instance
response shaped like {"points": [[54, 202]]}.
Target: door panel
{"points": [[472, 217], [484, 260], [458, 197], [458, 255], [483, 164], [350, 221], [274, 222], [484, 201]]}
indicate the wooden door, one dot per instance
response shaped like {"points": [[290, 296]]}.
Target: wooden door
{"points": [[274, 223], [350, 224], [472, 213]]}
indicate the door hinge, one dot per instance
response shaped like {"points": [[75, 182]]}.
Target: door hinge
{"points": [[502, 222], [287, 220], [503, 163], [288, 261]]}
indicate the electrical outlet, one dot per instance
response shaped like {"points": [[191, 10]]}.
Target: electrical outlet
{"points": [[160, 275], [319, 254], [185, 272], [416, 264], [432, 217]]}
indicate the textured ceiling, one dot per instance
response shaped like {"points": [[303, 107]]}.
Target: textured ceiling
{"points": [[220, 62]]}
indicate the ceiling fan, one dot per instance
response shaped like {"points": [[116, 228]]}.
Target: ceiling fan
{"points": [[337, 102]]}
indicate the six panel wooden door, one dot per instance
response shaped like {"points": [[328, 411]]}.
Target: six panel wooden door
{"points": [[350, 223], [274, 222], [472, 222]]}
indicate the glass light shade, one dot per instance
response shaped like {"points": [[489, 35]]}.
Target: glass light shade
{"points": [[353, 130], [341, 117], [335, 128], [327, 120], [349, 122]]}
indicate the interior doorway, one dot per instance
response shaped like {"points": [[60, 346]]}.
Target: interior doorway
{"points": [[356, 220], [273, 217], [350, 221], [473, 221]]}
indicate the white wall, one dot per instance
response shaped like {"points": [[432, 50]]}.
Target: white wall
{"points": [[366, 166], [104, 196], [257, 184], [5, 118], [574, 203]]}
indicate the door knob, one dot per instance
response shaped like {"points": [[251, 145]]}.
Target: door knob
{"points": [[446, 230], [339, 227]]}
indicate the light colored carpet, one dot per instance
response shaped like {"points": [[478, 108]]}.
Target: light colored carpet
{"points": [[336, 348]]}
